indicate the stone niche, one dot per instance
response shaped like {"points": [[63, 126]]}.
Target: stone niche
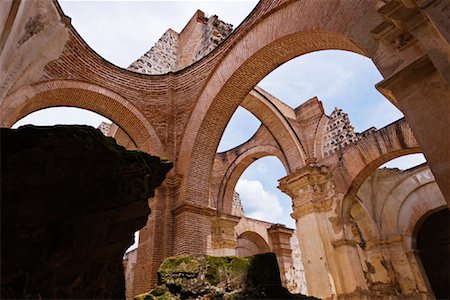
{"points": [[71, 200]]}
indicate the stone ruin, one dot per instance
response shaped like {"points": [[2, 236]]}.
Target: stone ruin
{"points": [[71, 200]]}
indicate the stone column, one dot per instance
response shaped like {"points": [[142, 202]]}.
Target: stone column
{"points": [[155, 239], [400, 263], [380, 279], [396, 262], [223, 238], [280, 237], [422, 284], [331, 269]]}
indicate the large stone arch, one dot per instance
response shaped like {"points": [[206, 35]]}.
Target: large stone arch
{"points": [[290, 31], [87, 96], [363, 157], [409, 203], [230, 165]]}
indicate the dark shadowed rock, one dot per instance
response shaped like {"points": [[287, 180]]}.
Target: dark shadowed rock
{"points": [[211, 277], [71, 200]]}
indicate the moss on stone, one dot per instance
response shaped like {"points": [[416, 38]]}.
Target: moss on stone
{"points": [[160, 292], [240, 265], [210, 277], [180, 264]]}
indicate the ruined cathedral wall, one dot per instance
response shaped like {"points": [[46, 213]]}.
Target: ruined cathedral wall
{"points": [[214, 33], [161, 58], [296, 276], [175, 51]]}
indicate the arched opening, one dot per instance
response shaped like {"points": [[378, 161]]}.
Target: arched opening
{"points": [[385, 215], [433, 244], [252, 64], [77, 94], [241, 127], [250, 243], [259, 195], [341, 79], [405, 162], [62, 115]]}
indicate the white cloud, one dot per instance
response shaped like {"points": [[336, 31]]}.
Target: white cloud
{"points": [[262, 168], [125, 30], [259, 203]]}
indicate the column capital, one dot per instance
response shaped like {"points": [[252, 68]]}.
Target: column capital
{"points": [[310, 188], [193, 208], [223, 235]]}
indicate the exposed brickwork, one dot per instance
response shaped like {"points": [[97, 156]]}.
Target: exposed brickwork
{"points": [[214, 33], [161, 58], [175, 51]]}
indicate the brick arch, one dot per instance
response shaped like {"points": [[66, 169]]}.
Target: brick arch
{"points": [[287, 32], [87, 96], [253, 239], [238, 166], [319, 138], [362, 158], [274, 114]]}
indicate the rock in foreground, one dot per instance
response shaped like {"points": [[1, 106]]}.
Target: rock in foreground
{"points": [[210, 277], [71, 200]]}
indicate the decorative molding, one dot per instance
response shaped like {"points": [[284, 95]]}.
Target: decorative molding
{"points": [[195, 209]]}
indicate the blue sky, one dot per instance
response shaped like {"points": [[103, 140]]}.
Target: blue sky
{"points": [[124, 30]]}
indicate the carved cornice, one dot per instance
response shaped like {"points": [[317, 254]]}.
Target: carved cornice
{"points": [[309, 178], [194, 208], [319, 206], [406, 77], [399, 21], [311, 190], [280, 229], [384, 242], [344, 242]]}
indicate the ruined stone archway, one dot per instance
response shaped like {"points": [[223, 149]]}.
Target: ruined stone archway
{"points": [[410, 202], [87, 96], [274, 40], [365, 156], [391, 204], [251, 243], [230, 165]]}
